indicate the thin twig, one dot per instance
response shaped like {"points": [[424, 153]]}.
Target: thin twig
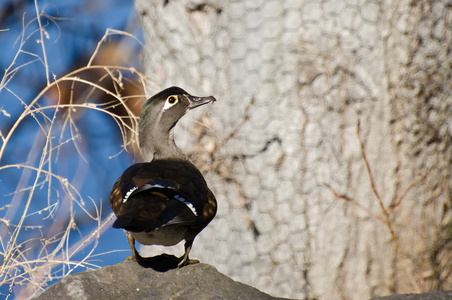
{"points": [[357, 204], [23, 263], [236, 128], [422, 178], [369, 171], [43, 47], [109, 32]]}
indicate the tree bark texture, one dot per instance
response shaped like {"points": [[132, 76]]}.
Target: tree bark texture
{"points": [[329, 149]]}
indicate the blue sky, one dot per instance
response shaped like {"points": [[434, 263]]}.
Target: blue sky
{"points": [[92, 162]]}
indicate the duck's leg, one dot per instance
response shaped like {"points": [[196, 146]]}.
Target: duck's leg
{"points": [[185, 260], [135, 255]]}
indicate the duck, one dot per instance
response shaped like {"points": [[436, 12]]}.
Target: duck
{"points": [[165, 199]]}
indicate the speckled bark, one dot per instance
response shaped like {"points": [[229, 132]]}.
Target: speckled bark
{"points": [[293, 78]]}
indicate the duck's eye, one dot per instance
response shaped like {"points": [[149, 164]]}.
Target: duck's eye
{"points": [[172, 99]]}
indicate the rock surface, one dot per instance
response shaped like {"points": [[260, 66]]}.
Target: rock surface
{"points": [[437, 295], [128, 280]]}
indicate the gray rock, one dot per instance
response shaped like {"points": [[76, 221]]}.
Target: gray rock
{"points": [[437, 295], [128, 280]]}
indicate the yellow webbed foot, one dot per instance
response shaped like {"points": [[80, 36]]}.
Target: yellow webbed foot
{"points": [[187, 262], [184, 259]]}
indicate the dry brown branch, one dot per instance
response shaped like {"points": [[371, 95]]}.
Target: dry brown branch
{"points": [[357, 204], [42, 41], [412, 185], [386, 218], [109, 32], [369, 170], [236, 129]]}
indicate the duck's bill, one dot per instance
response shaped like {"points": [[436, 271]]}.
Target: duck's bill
{"points": [[198, 101]]}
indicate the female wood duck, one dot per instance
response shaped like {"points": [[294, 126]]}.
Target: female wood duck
{"points": [[165, 200]]}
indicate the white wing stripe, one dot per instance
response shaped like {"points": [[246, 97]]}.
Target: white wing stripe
{"points": [[128, 194], [149, 186], [189, 205]]}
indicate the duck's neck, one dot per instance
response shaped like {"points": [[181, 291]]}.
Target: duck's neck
{"points": [[158, 144]]}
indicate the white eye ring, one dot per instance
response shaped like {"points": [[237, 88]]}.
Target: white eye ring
{"points": [[170, 101]]}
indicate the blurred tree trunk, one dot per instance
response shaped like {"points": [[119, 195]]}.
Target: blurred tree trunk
{"points": [[309, 208]]}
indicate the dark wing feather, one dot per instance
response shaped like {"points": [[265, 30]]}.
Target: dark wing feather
{"points": [[151, 195]]}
